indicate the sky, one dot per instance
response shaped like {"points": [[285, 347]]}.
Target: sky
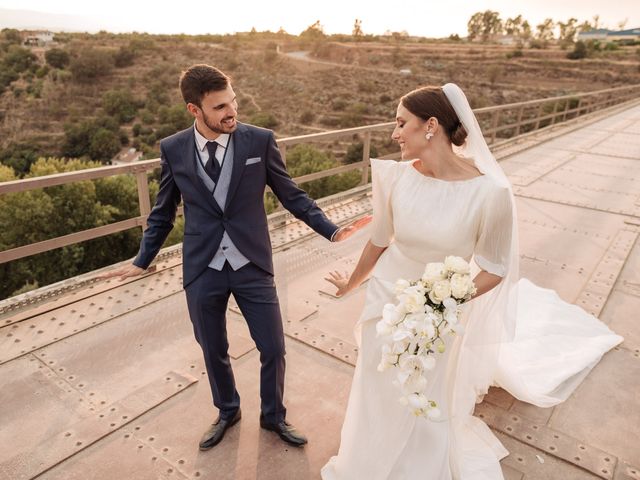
{"points": [[421, 18]]}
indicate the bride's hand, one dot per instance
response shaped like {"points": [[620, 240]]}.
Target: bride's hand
{"points": [[340, 281]]}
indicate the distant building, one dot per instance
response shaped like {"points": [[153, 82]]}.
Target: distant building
{"points": [[126, 156], [39, 39], [506, 39], [610, 35], [405, 71], [631, 34], [596, 34]]}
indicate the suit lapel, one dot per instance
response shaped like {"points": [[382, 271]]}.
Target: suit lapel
{"points": [[241, 138], [192, 169]]}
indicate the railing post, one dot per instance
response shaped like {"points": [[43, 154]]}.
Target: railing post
{"points": [[553, 114], [579, 108], [143, 196], [366, 149], [283, 153], [519, 120], [494, 125], [537, 126], [566, 109]]}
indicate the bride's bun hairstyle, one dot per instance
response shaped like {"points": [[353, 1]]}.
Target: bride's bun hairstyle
{"points": [[427, 102]]}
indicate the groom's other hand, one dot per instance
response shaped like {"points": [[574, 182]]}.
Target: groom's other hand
{"points": [[345, 232], [126, 272]]}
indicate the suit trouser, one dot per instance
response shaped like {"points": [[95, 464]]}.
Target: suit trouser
{"points": [[255, 293]]}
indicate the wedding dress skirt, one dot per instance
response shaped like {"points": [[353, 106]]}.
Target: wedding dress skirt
{"points": [[555, 345]]}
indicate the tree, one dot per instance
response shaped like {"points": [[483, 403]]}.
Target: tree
{"points": [[18, 59], [484, 24], [545, 31], [622, 24], [303, 159], [474, 26], [57, 57], [568, 32], [104, 145], [99, 139], [91, 64], [355, 150], [357, 29], [513, 26], [46, 213], [11, 36], [525, 34], [313, 32], [120, 104], [19, 156]]}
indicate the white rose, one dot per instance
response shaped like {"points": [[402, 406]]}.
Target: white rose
{"points": [[401, 285], [440, 290], [461, 285], [413, 302], [432, 273], [456, 265]]}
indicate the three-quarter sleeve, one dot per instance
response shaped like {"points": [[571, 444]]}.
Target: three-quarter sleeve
{"points": [[383, 179], [493, 246]]}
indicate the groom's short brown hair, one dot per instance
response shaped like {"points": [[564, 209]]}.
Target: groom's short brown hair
{"points": [[198, 80]]}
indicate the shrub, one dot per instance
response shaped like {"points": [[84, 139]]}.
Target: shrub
{"points": [[124, 57], [120, 104], [579, 51], [354, 152], [264, 119], [18, 59], [57, 57], [91, 64]]}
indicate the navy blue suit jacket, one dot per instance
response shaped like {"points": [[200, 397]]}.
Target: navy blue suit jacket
{"points": [[244, 217]]}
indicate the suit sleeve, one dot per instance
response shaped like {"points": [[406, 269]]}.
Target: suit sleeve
{"points": [[291, 196], [162, 216]]}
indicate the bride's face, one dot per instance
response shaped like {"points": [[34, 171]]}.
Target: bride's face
{"points": [[409, 133]]}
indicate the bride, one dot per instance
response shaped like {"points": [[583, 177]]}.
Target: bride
{"points": [[450, 197]]}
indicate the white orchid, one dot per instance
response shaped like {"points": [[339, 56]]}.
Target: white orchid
{"points": [[427, 311], [456, 265]]}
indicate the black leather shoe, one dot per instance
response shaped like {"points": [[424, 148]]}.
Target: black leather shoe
{"points": [[215, 434], [285, 431]]}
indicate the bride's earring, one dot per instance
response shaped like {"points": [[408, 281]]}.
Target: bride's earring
{"points": [[428, 136]]}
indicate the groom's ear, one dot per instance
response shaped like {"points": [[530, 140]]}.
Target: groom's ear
{"points": [[193, 109]]}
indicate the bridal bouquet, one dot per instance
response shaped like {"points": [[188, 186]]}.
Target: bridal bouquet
{"points": [[427, 310]]}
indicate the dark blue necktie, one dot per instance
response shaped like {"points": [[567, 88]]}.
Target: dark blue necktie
{"points": [[212, 167]]}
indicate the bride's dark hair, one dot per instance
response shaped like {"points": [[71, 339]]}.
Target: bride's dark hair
{"points": [[427, 102]]}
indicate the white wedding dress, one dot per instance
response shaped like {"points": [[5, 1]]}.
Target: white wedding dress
{"points": [[423, 219]]}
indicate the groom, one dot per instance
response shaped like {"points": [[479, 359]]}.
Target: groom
{"points": [[220, 168]]}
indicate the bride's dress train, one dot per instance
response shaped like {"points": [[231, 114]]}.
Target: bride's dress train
{"points": [[555, 345]]}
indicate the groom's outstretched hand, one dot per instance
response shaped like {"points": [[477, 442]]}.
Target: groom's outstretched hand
{"points": [[126, 272], [345, 232]]}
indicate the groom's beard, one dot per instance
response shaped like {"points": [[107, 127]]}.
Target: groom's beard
{"points": [[220, 127]]}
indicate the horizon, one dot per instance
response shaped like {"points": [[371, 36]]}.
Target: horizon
{"points": [[417, 19]]}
